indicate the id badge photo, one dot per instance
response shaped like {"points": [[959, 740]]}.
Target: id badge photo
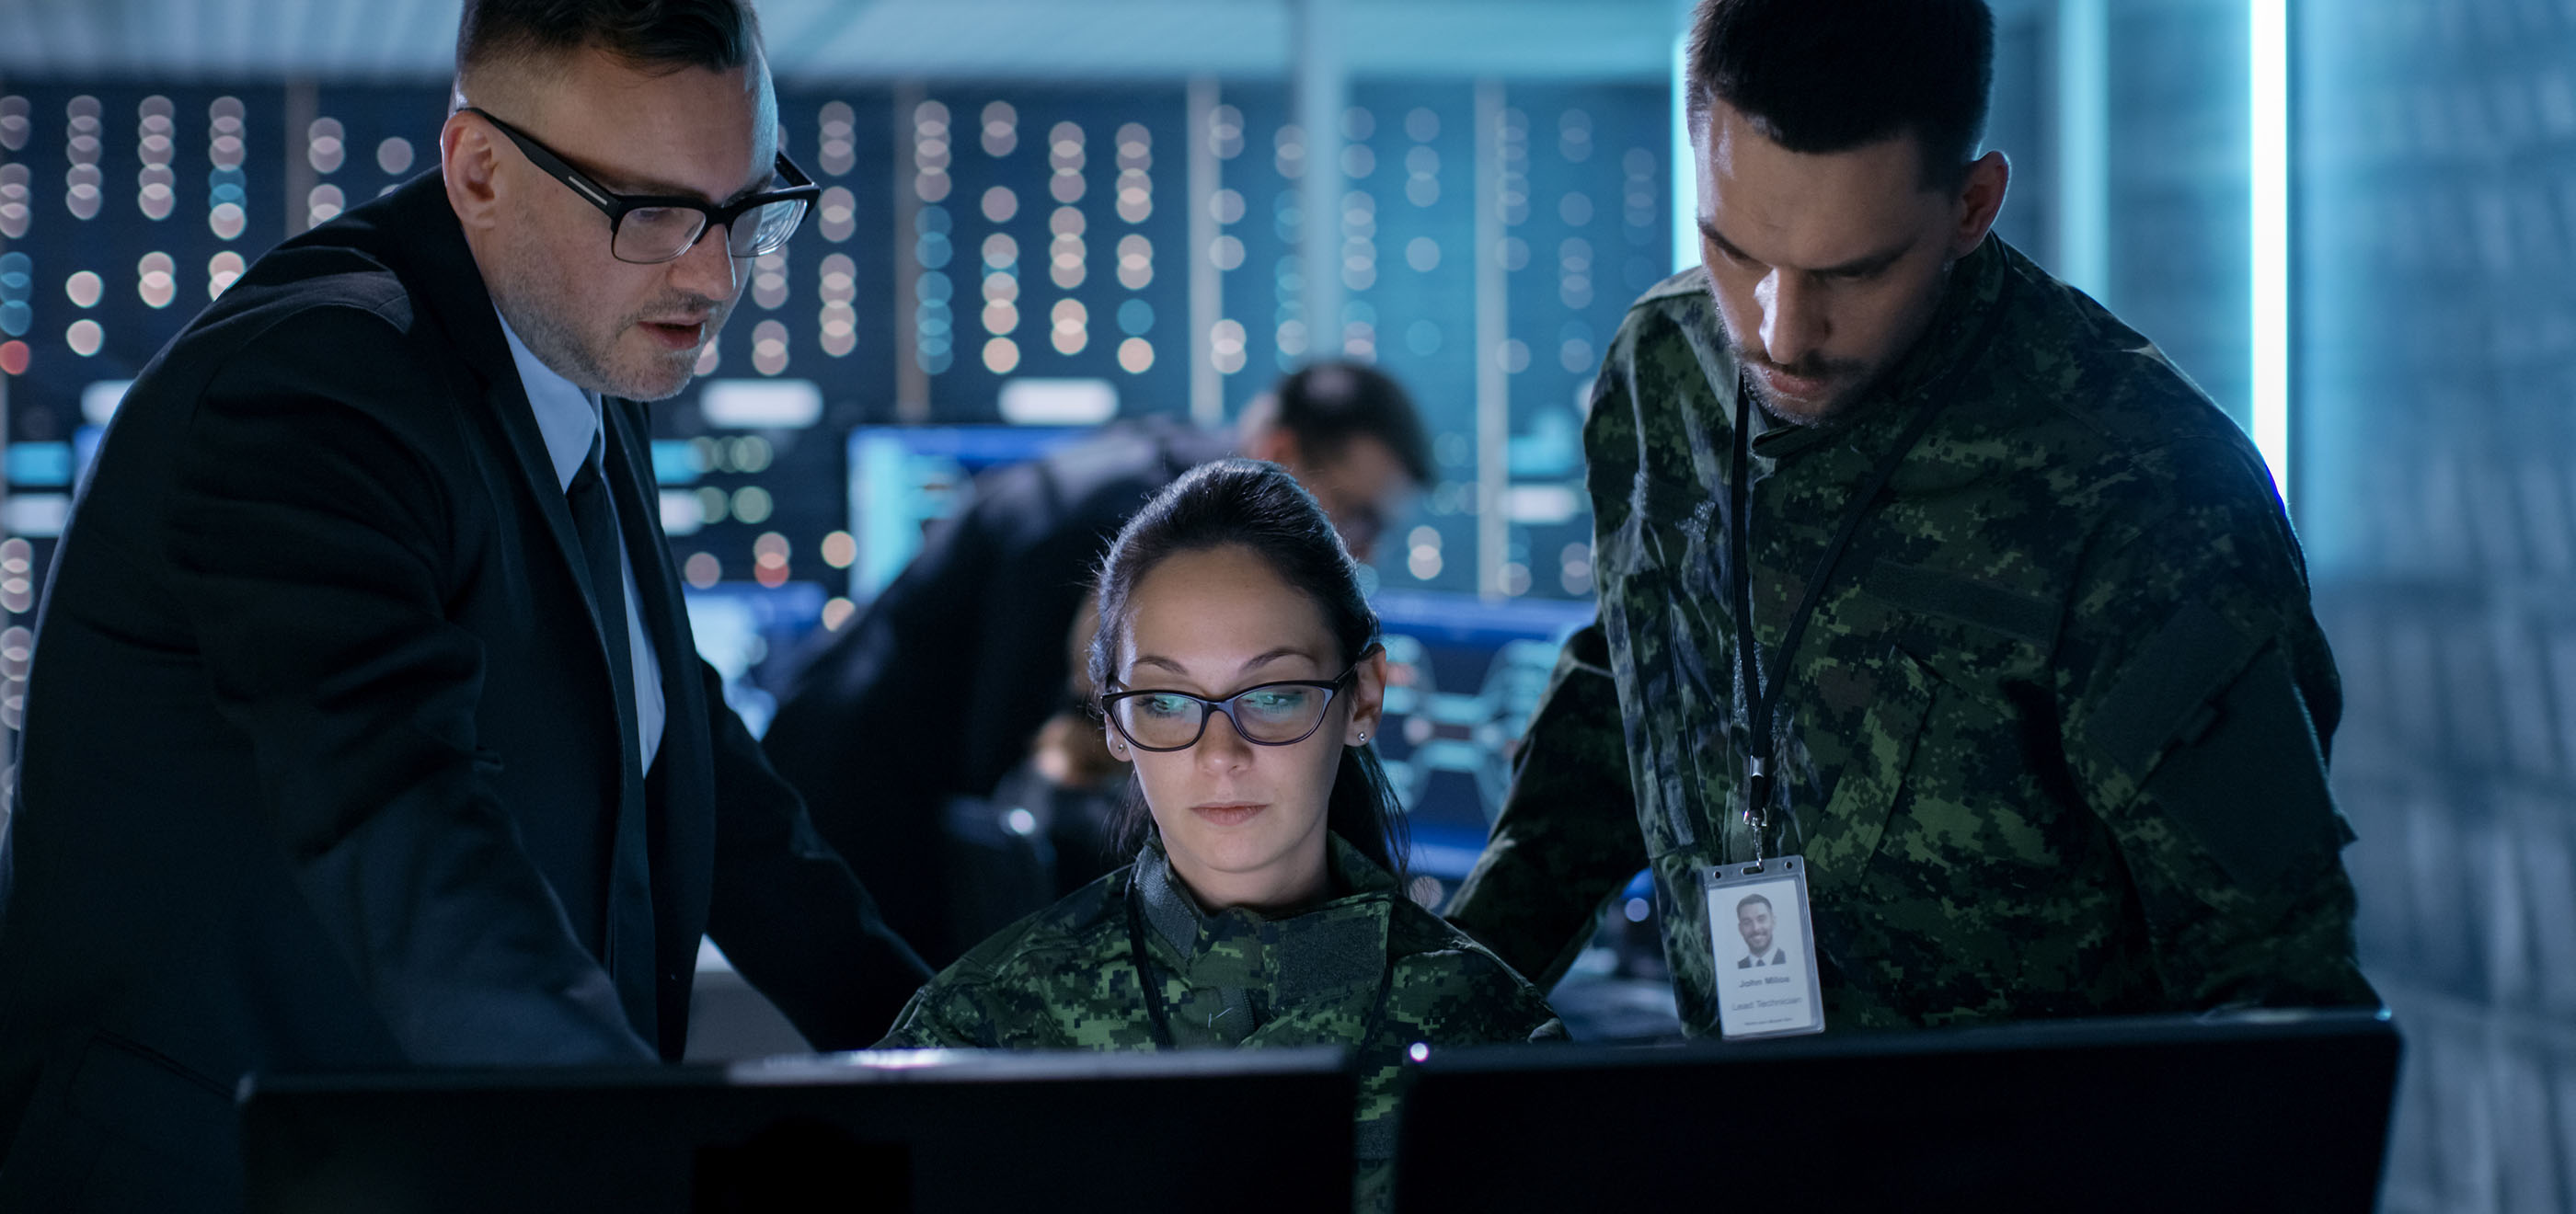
{"points": [[1766, 949]]}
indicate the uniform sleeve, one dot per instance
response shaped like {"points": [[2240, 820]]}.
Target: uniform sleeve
{"points": [[1567, 839], [1465, 995], [941, 1016], [308, 536], [785, 908], [2196, 700]]}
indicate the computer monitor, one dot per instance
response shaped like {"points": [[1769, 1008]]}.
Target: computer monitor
{"points": [[2257, 1112], [738, 625], [904, 478], [1249, 1130]]}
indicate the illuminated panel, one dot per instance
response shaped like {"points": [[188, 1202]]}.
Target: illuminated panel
{"points": [[82, 192], [1677, 153], [227, 187], [156, 192], [109, 206], [1134, 250], [1064, 213], [2083, 145], [934, 336], [823, 311], [1586, 230], [1409, 304], [2270, 72], [1000, 271]]}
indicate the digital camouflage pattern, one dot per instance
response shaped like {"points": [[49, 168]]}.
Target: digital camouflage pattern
{"points": [[2054, 741], [1369, 970]]}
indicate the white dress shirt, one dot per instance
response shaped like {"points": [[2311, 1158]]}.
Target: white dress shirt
{"points": [[569, 418]]}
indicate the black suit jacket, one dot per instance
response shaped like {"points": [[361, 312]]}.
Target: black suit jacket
{"points": [[321, 761], [938, 689], [1779, 956]]}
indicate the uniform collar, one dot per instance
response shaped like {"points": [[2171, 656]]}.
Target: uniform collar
{"points": [[1321, 941]]}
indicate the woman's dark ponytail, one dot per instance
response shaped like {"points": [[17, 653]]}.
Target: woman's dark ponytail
{"points": [[1363, 809]]}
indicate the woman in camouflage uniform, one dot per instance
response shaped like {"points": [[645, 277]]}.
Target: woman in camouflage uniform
{"points": [[1264, 907]]}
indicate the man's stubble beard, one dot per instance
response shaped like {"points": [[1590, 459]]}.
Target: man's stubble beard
{"points": [[1837, 413], [538, 315]]}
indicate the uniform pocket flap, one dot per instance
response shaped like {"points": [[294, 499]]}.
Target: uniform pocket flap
{"points": [[1965, 600]]}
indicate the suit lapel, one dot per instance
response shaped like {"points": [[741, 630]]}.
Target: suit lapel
{"points": [[434, 257], [536, 469]]}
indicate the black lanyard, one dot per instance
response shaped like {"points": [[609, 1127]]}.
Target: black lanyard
{"points": [[1145, 980], [1161, 1021], [1762, 696]]}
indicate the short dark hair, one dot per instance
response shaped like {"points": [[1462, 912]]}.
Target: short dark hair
{"points": [[1327, 404], [718, 35], [1750, 899], [1830, 77], [1259, 507]]}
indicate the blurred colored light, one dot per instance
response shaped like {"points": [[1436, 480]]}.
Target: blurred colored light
{"points": [[701, 569], [1135, 355], [840, 550]]}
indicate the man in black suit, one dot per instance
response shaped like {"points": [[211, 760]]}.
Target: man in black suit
{"points": [[365, 728], [1753, 922]]}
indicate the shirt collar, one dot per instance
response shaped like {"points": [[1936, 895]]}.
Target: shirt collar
{"points": [[567, 415]]}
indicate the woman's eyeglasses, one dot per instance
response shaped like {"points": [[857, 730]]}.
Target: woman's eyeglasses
{"points": [[1267, 714]]}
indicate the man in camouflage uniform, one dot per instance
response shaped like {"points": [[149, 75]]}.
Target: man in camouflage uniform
{"points": [[1369, 970], [2052, 740]]}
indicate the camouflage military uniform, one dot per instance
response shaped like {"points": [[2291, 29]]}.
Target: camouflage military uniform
{"points": [[2053, 743], [1369, 970]]}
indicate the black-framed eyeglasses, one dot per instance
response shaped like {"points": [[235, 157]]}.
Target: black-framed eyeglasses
{"points": [[647, 229], [1283, 713]]}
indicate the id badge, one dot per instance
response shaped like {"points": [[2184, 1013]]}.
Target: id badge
{"points": [[1766, 949]]}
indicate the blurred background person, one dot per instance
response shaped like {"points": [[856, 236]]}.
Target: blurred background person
{"points": [[959, 675]]}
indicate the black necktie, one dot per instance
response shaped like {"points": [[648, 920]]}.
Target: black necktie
{"points": [[630, 878]]}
